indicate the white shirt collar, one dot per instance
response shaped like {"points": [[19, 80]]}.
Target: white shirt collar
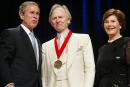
{"points": [[63, 34], [25, 29]]}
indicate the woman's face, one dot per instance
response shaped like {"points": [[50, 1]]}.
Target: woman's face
{"points": [[112, 26]]}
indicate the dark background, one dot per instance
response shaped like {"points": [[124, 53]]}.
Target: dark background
{"points": [[86, 17]]}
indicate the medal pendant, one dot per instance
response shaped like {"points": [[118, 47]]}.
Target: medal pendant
{"points": [[58, 64]]}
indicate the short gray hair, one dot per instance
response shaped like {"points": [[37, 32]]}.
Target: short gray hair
{"points": [[26, 3]]}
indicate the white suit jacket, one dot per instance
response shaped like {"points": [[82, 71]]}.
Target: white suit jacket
{"points": [[80, 62]]}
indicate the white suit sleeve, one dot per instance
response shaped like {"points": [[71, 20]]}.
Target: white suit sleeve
{"points": [[44, 67], [89, 62]]}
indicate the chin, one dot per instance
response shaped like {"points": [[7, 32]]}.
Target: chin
{"points": [[59, 30]]}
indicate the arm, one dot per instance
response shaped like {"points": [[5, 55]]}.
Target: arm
{"points": [[44, 67], [6, 57], [128, 61], [89, 63]]}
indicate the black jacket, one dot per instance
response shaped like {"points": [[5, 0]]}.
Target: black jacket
{"points": [[17, 59], [113, 64]]}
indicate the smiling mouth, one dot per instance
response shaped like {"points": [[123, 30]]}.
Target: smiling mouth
{"points": [[110, 28], [58, 25]]}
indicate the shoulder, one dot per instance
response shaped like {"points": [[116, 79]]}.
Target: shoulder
{"points": [[10, 30], [48, 42], [82, 39], [127, 41], [10, 33], [84, 36]]}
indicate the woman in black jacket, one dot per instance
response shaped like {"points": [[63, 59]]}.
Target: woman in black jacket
{"points": [[112, 67]]}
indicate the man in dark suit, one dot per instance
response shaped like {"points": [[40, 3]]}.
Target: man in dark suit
{"points": [[20, 62]]}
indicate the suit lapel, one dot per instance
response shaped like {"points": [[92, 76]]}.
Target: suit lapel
{"points": [[53, 56], [40, 55], [28, 44], [72, 46]]}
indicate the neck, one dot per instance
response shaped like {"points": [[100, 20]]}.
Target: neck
{"points": [[113, 38], [64, 33]]}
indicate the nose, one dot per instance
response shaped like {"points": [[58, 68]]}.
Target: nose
{"points": [[57, 20], [36, 16], [109, 23]]}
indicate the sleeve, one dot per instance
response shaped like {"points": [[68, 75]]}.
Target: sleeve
{"points": [[89, 63], [97, 74], [128, 60], [97, 79], [44, 67], [7, 50]]}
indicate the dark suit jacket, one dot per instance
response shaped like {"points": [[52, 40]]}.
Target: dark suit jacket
{"points": [[17, 59]]}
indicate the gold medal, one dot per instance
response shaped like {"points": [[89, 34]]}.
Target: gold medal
{"points": [[58, 64]]}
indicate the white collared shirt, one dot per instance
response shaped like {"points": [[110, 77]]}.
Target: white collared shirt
{"points": [[63, 36], [28, 33]]}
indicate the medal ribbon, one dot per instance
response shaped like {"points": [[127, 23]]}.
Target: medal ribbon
{"points": [[59, 52]]}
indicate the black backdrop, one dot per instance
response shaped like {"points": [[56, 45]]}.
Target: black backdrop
{"points": [[86, 17]]}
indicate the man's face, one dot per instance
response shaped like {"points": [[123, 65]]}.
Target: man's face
{"points": [[59, 19], [30, 16]]}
